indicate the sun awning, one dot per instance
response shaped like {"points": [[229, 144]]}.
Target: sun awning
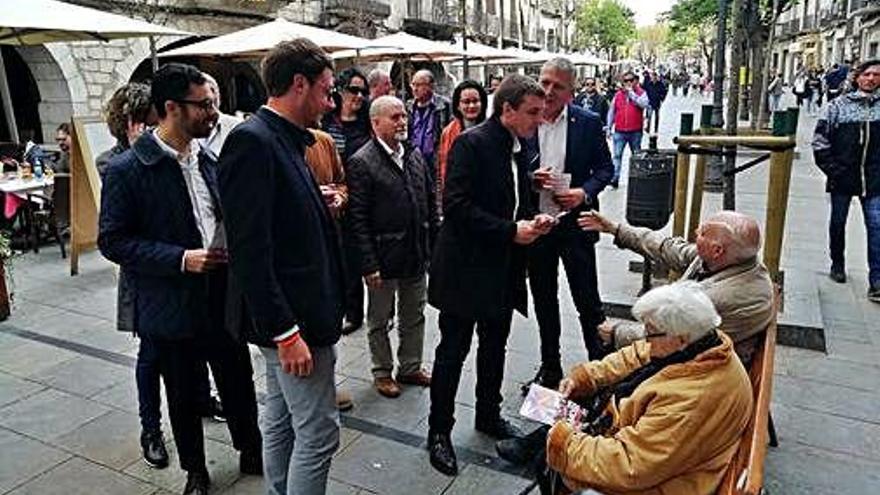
{"points": [[404, 45]]}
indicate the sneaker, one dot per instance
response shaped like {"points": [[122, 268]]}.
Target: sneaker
{"points": [[153, 447], [874, 294], [838, 275]]}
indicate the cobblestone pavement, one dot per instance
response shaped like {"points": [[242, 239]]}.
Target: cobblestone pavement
{"points": [[68, 407]]}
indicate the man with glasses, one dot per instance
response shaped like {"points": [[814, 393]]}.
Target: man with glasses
{"points": [[428, 115], [287, 266], [594, 100], [626, 120], [161, 223]]}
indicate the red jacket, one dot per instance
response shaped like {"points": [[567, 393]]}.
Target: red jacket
{"points": [[627, 115]]}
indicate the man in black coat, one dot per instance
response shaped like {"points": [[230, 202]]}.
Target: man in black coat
{"points": [[161, 222], [657, 90], [287, 285], [394, 220], [478, 268], [571, 141]]}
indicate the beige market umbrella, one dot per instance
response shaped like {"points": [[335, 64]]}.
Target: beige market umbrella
{"points": [[256, 41], [403, 45], [35, 22]]}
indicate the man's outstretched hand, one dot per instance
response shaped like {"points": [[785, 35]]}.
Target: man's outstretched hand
{"points": [[593, 220]]}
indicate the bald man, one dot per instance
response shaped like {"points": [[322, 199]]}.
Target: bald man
{"points": [[723, 260]]}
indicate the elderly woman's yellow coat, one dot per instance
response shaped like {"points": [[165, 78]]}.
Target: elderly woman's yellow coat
{"points": [[676, 433]]}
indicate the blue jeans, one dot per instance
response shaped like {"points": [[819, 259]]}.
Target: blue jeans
{"points": [[620, 140], [837, 232], [300, 425]]}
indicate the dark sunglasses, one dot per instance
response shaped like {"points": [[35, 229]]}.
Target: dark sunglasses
{"points": [[357, 90], [629, 80], [207, 104]]}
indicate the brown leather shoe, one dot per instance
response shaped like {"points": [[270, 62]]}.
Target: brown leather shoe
{"points": [[344, 402], [421, 378], [387, 387]]}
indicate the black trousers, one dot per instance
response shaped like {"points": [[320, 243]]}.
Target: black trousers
{"points": [[181, 365], [455, 343], [578, 256]]}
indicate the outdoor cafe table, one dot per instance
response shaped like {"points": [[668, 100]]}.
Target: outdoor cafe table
{"points": [[17, 189]]}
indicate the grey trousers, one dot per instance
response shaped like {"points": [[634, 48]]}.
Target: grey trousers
{"points": [[300, 425], [411, 295]]}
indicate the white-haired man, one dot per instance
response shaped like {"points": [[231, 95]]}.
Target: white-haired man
{"points": [[428, 115], [379, 83], [679, 403], [723, 260], [394, 223], [224, 123]]}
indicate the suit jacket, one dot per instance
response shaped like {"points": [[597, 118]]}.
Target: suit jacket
{"points": [[285, 258], [477, 271], [392, 211], [145, 226], [588, 160]]}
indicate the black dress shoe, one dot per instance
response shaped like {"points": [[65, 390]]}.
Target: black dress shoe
{"points": [[153, 448], [523, 450], [213, 409], [350, 327], [250, 462], [838, 275], [498, 428], [197, 483], [442, 454], [546, 377]]}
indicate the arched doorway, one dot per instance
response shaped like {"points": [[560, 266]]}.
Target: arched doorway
{"points": [[25, 99]]}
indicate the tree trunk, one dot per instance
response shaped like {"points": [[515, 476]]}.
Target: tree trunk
{"points": [[733, 95], [758, 59], [763, 113]]}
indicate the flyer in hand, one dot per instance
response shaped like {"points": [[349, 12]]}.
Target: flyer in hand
{"points": [[547, 406]]}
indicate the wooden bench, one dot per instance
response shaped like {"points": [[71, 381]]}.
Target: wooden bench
{"points": [[745, 475]]}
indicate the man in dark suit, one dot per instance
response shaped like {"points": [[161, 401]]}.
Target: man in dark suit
{"points": [[160, 221], [394, 220], [478, 269], [287, 284], [571, 141]]}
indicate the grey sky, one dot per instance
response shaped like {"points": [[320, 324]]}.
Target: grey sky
{"points": [[647, 10]]}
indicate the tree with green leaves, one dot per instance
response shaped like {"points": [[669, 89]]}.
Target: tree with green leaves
{"points": [[692, 23], [651, 44], [604, 27]]}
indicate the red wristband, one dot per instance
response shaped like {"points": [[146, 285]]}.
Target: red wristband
{"points": [[289, 341]]}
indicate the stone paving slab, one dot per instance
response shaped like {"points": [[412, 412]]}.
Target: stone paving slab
{"points": [[80, 477]]}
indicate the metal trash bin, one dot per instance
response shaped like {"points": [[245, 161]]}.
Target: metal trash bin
{"points": [[651, 188]]}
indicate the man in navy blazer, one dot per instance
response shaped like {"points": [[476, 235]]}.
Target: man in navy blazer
{"points": [[161, 223], [287, 286], [570, 141]]}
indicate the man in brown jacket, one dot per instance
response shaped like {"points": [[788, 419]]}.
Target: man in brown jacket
{"points": [[723, 260]]}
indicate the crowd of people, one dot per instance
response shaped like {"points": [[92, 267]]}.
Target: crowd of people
{"points": [[273, 231]]}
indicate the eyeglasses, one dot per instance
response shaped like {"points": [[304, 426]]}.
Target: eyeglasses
{"points": [[207, 104], [629, 80], [357, 90], [589, 84]]}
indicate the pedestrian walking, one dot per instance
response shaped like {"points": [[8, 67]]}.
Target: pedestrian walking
{"points": [[846, 147], [287, 266], [774, 93], [626, 120], [656, 88]]}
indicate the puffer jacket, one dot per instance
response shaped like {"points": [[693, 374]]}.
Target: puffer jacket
{"points": [[675, 435], [846, 144]]}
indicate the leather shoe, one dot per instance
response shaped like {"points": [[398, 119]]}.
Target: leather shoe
{"points": [[250, 462], [421, 378], [153, 448], [197, 483], [350, 327], [442, 454], [545, 377], [387, 387], [522, 450], [499, 428], [213, 409], [838, 275], [344, 401]]}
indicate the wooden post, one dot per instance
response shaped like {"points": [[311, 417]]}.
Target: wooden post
{"points": [[784, 123], [682, 176], [697, 198]]}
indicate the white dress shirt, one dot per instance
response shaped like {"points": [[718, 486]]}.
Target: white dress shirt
{"points": [[396, 155], [201, 201], [516, 149], [225, 124], [552, 139]]}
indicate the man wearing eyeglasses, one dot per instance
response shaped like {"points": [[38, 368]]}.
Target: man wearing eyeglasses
{"points": [[626, 120], [428, 114], [161, 222]]}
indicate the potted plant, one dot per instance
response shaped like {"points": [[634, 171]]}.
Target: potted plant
{"points": [[5, 272]]}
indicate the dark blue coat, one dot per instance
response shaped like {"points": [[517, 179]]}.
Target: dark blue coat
{"points": [[587, 159], [285, 256], [145, 226]]}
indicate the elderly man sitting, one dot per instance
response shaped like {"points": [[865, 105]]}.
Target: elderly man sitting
{"points": [[680, 403], [723, 260]]}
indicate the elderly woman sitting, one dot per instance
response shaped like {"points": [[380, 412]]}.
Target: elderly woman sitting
{"points": [[680, 403]]}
